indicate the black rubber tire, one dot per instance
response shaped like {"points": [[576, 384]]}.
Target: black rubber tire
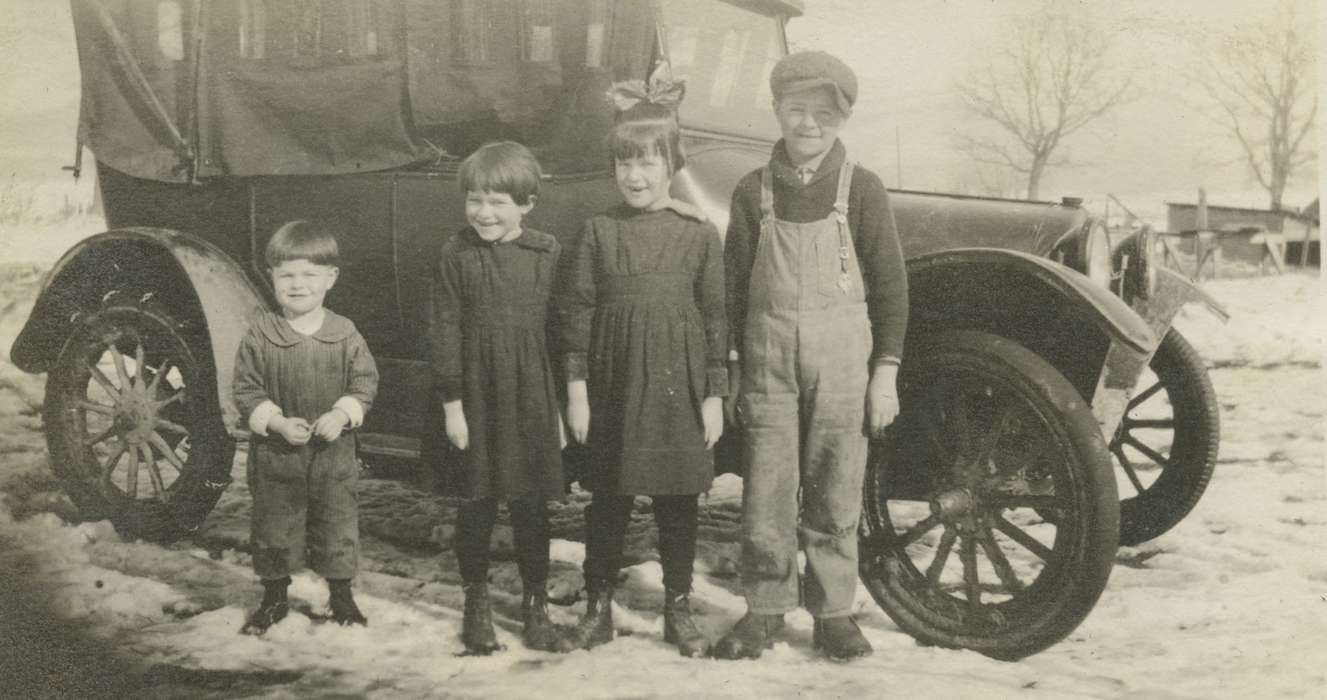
{"points": [[1048, 454], [174, 501], [1188, 460]]}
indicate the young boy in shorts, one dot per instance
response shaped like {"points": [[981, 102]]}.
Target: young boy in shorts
{"points": [[817, 297], [303, 377]]}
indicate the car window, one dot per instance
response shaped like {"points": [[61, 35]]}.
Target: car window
{"points": [[170, 30], [533, 71], [725, 53], [311, 32]]}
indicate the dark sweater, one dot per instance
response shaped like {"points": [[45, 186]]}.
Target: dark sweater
{"points": [[874, 236]]}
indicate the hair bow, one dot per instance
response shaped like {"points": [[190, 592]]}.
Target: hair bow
{"points": [[660, 89]]}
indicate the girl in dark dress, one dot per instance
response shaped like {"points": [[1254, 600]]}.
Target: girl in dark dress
{"points": [[642, 323], [491, 371]]}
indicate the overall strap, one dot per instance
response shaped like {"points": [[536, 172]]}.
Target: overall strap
{"points": [[841, 216], [845, 184], [766, 194]]}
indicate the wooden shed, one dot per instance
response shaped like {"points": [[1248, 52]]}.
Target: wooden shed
{"points": [[1289, 228]]}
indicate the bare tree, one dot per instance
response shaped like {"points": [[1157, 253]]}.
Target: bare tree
{"points": [[1263, 80], [1051, 76]]}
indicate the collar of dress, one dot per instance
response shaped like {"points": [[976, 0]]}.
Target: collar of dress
{"points": [[278, 330], [529, 239]]}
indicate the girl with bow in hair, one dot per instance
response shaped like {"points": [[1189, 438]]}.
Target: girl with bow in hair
{"points": [[644, 330]]}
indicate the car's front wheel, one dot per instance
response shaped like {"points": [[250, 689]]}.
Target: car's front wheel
{"points": [[990, 515], [1166, 445], [133, 426]]}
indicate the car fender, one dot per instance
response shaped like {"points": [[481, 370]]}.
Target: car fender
{"points": [[1171, 292], [206, 291], [1082, 329], [1108, 312]]}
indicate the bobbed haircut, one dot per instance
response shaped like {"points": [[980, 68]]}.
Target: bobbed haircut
{"points": [[502, 166], [301, 240], [646, 129]]}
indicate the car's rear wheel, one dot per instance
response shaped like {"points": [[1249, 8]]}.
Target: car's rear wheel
{"points": [[133, 426], [1166, 445], [954, 545]]}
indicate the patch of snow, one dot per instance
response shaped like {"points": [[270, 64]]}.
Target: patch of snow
{"points": [[1228, 604]]}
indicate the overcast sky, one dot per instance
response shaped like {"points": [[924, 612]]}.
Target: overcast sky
{"points": [[1162, 145]]}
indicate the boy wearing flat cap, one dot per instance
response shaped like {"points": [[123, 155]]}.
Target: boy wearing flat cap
{"points": [[817, 296]]}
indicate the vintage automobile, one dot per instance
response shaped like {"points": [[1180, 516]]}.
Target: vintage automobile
{"points": [[1035, 353]]}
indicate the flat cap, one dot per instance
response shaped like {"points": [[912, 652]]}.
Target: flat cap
{"points": [[810, 69]]}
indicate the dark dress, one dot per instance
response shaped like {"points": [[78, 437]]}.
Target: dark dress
{"points": [[641, 317], [488, 347]]}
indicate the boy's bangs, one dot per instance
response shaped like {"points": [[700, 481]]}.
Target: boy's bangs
{"points": [[300, 240]]}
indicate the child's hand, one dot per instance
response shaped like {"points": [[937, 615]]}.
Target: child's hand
{"points": [[562, 433], [578, 411], [296, 431], [330, 425], [881, 400], [711, 414], [458, 431]]}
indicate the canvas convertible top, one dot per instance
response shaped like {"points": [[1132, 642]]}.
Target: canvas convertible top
{"points": [[179, 90], [176, 90]]}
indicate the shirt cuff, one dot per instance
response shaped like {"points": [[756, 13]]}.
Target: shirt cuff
{"points": [[261, 416], [885, 360], [576, 366], [716, 381], [353, 409], [448, 389]]}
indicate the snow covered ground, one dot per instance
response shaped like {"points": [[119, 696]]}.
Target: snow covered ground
{"points": [[1232, 603]]}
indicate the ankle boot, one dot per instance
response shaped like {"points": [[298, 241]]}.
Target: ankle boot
{"points": [[679, 628], [596, 626], [750, 637], [477, 626], [839, 638], [342, 602], [271, 610], [539, 632]]}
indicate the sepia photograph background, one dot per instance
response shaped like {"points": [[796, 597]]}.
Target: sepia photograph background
{"points": [[1230, 604]]}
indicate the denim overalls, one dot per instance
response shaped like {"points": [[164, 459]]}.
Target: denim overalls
{"points": [[805, 370]]}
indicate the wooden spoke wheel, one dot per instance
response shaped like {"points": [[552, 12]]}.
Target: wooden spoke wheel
{"points": [[133, 425], [1166, 445], [954, 545]]}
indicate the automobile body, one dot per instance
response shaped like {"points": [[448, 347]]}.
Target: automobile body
{"points": [[214, 123]]}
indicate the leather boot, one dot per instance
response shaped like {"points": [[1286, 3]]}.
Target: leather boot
{"points": [[750, 637], [595, 627], [271, 610], [539, 632], [342, 602], [477, 625], [679, 628], [839, 638]]}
